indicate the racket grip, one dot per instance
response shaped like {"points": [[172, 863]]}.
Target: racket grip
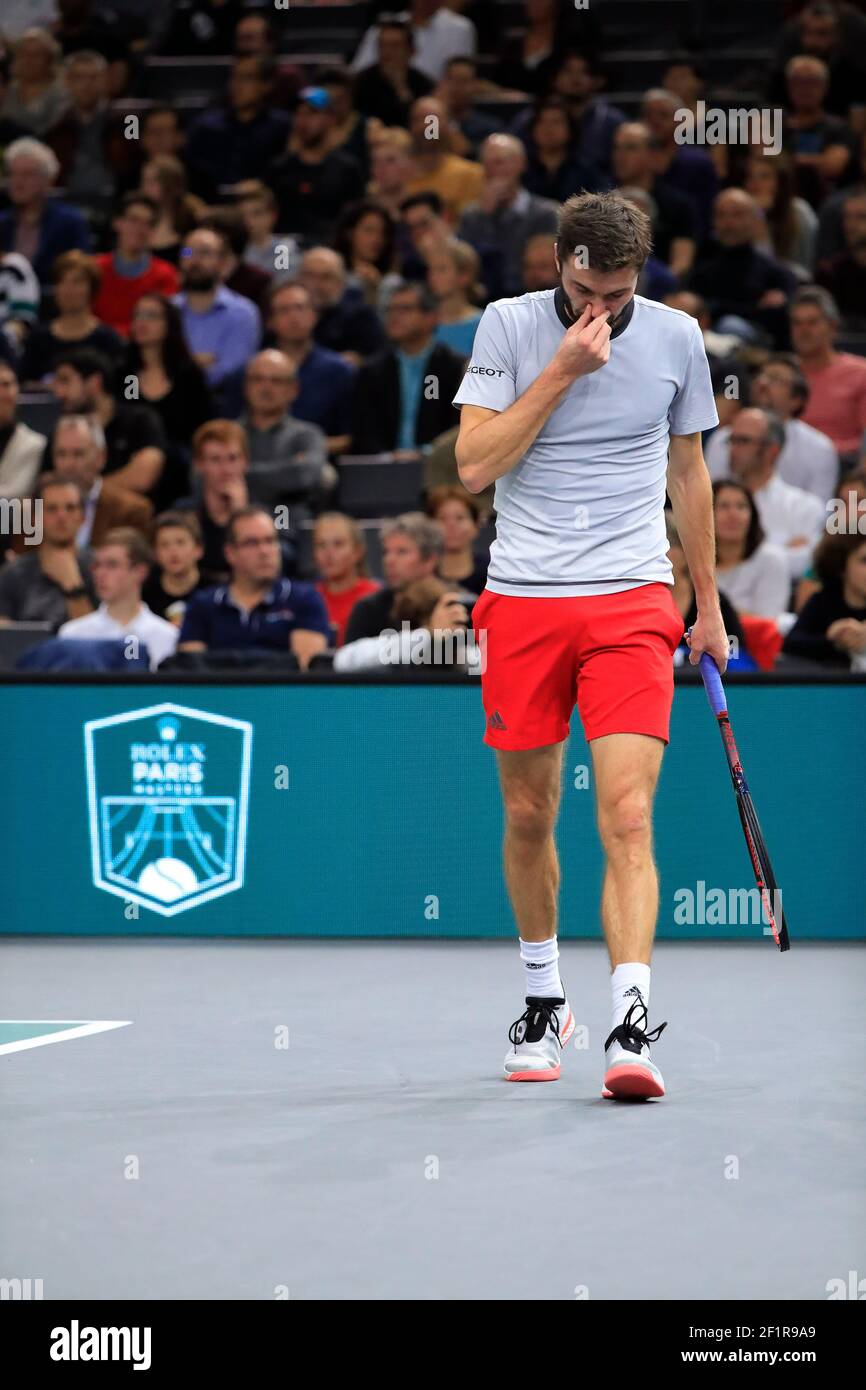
{"points": [[713, 684]]}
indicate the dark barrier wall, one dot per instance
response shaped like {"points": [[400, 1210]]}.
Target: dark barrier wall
{"points": [[336, 809]]}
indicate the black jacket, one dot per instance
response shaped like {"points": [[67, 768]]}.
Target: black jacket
{"points": [[376, 408]]}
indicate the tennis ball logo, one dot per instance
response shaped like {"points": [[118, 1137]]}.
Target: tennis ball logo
{"points": [[167, 880]]}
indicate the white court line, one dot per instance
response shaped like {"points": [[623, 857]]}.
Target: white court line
{"points": [[78, 1030]]}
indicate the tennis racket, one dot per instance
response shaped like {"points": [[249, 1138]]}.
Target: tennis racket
{"points": [[771, 897]]}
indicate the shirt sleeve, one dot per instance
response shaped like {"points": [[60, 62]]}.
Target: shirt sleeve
{"points": [[311, 615], [491, 373], [693, 408], [196, 626]]}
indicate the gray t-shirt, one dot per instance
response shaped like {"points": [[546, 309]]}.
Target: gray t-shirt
{"points": [[583, 511]]}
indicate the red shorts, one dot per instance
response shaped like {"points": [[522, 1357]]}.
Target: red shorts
{"points": [[611, 653]]}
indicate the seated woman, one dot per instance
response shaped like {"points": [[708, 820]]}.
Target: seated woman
{"points": [[831, 627], [459, 516], [76, 279], [169, 381], [684, 598], [163, 179], [433, 631], [453, 268], [750, 571], [340, 555], [554, 170], [365, 238], [849, 505]]}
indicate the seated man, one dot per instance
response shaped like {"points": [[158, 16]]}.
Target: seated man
{"points": [[20, 446], [134, 437], [325, 380], [411, 549], [837, 380], [120, 567], [175, 576], [129, 271], [403, 396], [257, 610], [808, 460], [791, 518], [79, 454], [345, 323], [288, 460], [734, 277], [222, 329], [505, 214], [36, 225], [220, 456], [50, 583], [844, 275]]}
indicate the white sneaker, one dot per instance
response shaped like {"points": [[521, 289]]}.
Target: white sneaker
{"points": [[629, 1071], [538, 1037]]}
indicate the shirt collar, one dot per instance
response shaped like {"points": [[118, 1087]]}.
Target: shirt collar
{"points": [[564, 314]]}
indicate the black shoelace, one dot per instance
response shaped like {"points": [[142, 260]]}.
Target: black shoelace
{"points": [[632, 1035], [537, 1017]]}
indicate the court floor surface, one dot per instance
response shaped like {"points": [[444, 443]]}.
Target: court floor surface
{"points": [[328, 1119]]}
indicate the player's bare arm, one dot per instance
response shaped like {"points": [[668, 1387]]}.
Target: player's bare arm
{"points": [[691, 494], [491, 442]]}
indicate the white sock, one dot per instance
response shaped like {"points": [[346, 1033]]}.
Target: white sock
{"points": [[626, 982], [541, 968]]}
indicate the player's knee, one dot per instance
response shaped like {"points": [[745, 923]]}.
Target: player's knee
{"points": [[529, 816], [625, 824]]}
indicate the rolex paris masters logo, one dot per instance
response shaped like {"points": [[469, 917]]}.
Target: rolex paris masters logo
{"points": [[167, 791]]}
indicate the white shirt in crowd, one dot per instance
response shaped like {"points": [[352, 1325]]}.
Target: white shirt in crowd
{"points": [[410, 647], [808, 459], [445, 35], [788, 513], [160, 636], [760, 585]]}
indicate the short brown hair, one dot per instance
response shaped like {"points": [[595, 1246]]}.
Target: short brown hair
{"points": [[612, 232], [77, 263], [832, 554], [451, 492], [219, 432], [415, 601], [182, 520], [138, 552], [244, 514], [54, 480]]}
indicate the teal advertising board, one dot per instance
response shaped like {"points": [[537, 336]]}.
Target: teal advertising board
{"points": [[373, 810]]}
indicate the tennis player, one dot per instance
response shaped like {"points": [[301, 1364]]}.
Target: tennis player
{"points": [[584, 404]]}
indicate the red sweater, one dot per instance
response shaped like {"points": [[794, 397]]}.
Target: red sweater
{"points": [[119, 294], [339, 606]]}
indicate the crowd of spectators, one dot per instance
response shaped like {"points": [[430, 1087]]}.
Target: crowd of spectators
{"points": [[212, 313]]}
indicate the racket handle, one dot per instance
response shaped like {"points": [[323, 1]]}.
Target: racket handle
{"points": [[713, 684]]}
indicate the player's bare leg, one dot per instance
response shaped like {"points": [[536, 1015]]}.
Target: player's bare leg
{"points": [[626, 768], [531, 780]]}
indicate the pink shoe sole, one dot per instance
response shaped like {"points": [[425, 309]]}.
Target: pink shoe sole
{"points": [[546, 1074], [630, 1082]]}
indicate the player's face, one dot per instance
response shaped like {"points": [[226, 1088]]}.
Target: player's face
{"points": [[610, 292]]}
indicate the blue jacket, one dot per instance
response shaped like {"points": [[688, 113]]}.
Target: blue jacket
{"points": [[63, 228]]}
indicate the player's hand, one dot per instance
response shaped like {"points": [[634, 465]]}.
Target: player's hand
{"points": [[708, 635], [586, 345]]}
